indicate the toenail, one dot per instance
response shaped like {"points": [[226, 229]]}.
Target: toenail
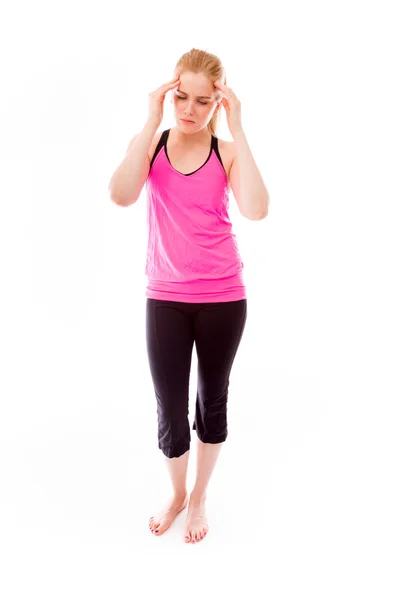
{"points": [[156, 530]]}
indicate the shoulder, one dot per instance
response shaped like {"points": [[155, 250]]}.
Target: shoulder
{"points": [[228, 152], [153, 144], [232, 170]]}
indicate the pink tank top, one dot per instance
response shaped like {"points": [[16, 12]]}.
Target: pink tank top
{"points": [[192, 253]]}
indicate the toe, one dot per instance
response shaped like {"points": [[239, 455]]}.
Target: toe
{"points": [[187, 538]]}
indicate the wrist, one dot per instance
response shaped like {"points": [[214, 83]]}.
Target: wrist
{"points": [[237, 131], [152, 125]]}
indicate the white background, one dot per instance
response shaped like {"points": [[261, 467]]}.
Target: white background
{"points": [[304, 499]]}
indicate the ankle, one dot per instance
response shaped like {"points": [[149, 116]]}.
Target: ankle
{"points": [[198, 495], [180, 494]]}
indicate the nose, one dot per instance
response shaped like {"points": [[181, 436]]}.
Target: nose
{"points": [[189, 108]]}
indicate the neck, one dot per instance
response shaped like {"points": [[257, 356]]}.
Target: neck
{"points": [[197, 138]]}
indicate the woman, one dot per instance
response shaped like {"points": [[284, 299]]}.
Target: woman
{"points": [[195, 292]]}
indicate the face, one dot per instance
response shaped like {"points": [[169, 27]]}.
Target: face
{"points": [[195, 99]]}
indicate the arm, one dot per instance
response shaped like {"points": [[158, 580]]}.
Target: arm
{"points": [[128, 179], [246, 182]]}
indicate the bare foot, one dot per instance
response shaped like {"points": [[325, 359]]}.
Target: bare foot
{"points": [[196, 526], [160, 522]]}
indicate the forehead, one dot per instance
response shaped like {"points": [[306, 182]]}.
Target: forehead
{"points": [[197, 85]]}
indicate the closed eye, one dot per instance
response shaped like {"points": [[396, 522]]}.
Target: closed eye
{"points": [[199, 101]]}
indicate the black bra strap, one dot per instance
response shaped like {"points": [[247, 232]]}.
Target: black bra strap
{"points": [[163, 140]]}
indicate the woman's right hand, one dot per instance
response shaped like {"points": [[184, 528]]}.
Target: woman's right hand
{"points": [[156, 101]]}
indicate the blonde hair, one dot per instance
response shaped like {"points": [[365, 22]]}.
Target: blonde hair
{"points": [[200, 61]]}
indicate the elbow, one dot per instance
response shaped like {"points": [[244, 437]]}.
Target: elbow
{"points": [[259, 217], [264, 212], [112, 195], [255, 216], [260, 213], [117, 200]]}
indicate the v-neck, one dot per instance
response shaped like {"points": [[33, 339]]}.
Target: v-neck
{"points": [[176, 170]]}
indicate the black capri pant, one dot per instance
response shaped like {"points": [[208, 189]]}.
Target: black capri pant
{"points": [[171, 329]]}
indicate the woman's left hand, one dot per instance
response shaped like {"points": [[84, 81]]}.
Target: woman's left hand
{"points": [[232, 106]]}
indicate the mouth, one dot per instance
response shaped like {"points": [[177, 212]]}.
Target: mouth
{"points": [[186, 121]]}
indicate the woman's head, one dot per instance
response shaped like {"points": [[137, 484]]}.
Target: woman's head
{"points": [[196, 98]]}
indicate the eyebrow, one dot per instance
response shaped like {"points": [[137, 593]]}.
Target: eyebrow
{"points": [[182, 92]]}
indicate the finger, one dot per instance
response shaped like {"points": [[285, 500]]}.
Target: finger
{"points": [[224, 90], [172, 81], [170, 85]]}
